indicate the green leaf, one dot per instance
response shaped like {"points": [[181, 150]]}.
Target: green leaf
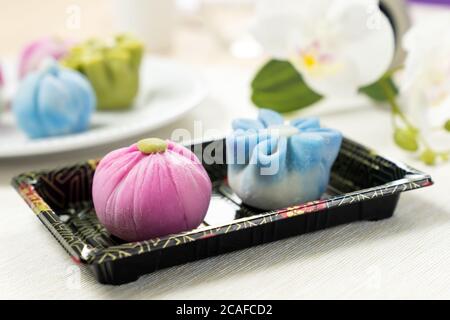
{"points": [[406, 139], [278, 86], [447, 125], [376, 91]]}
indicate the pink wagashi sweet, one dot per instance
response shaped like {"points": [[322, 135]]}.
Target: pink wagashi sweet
{"points": [[150, 189], [39, 50]]}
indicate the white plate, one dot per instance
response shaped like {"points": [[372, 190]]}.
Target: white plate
{"points": [[168, 90]]}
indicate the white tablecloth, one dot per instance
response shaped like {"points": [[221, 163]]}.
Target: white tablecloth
{"points": [[407, 256]]}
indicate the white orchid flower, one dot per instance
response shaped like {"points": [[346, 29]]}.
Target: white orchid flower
{"points": [[426, 78], [337, 45]]}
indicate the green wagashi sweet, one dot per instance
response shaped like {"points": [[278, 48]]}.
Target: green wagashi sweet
{"points": [[111, 67]]}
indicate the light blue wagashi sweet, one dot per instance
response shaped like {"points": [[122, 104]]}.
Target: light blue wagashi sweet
{"points": [[53, 101], [273, 164]]}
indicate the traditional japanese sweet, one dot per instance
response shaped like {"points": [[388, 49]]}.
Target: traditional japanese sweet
{"points": [[53, 101], [150, 189], [273, 164], [112, 67], [37, 51]]}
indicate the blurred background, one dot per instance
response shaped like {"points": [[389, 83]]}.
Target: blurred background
{"points": [[193, 30]]}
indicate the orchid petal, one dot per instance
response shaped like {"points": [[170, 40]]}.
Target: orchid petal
{"points": [[340, 82], [337, 45], [425, 83], [438, 115], [373, 53], [274, 33], [350, 18]]}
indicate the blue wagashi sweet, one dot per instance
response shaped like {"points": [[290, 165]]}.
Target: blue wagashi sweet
{"points": [[53, 101], [273, 164]]}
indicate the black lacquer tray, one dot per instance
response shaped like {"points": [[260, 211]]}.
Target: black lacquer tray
{"points": [[363, 186]]}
